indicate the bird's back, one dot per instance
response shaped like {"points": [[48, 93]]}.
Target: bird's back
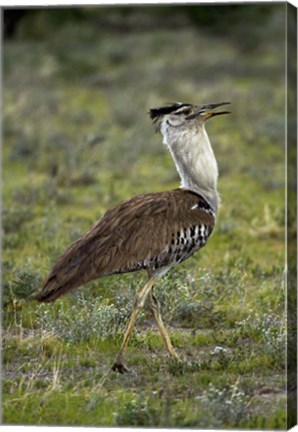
{"points": [[147, 232]]}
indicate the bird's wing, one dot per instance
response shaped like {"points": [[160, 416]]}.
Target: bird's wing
{"points": [[144, 232], [139, 230]]}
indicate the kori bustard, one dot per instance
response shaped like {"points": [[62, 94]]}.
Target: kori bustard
{"points": [[154, 231]]}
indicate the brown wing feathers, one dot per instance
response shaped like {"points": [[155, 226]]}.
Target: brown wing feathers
{"points": [[144, 232]]}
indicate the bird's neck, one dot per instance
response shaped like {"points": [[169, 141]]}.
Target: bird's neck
{"points": [[196, 163]]}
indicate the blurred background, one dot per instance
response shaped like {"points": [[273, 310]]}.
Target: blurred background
{"points": [[77, 87], [78, 83]]}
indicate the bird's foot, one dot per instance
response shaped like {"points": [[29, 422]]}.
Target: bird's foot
{"points": [[176, 360], [119, 366], [173, 355]]}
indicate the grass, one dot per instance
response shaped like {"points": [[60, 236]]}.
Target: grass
{"points": [[77, 141]]}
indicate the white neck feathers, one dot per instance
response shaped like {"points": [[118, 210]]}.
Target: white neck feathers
{"points": [[194, 159]]}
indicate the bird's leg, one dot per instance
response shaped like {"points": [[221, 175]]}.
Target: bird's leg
{"points": [[142, 294], [155, 309]]}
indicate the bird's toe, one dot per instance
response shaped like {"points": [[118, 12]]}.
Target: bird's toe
{"points": [[120, 367]]}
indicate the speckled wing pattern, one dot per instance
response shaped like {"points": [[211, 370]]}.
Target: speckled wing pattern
{"points": [[147, 232]]}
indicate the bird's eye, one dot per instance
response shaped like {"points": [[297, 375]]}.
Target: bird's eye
{"points": [[184, 112]]}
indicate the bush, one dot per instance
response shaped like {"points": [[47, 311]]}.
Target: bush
{"points": [[269, 329], [139, 411], [84, 320], [24, 284], [226, 406], [14, 217]]}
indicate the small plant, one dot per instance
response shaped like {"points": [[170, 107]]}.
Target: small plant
{"points": [[198, 314], [83, 320], [26, 282], [180, 368], [172, 293], [13, 218], [226, 406], [30, 195], [139, 411], [181, 300], [269, 329], [21, 287]]}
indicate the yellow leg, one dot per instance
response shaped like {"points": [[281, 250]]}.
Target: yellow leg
{"points": [[154, 306], [141, 297]]}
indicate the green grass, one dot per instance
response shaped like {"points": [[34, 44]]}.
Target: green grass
{"points": [[77, 140]]}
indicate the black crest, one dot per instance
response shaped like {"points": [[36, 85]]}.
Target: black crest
{"points": [[155, 113]]}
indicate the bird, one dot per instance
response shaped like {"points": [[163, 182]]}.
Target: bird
{"points": [[153, 231]]}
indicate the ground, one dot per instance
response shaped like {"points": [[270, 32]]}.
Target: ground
{"points": [[77, 140]]}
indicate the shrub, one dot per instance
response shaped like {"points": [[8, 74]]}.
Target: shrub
{"points": [[24, 284], [269, 329], [14, 217], [83, 320], [139, 411], [226, 406]]}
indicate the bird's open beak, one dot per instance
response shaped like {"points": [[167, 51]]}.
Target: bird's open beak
{"points": [[206, 111]]}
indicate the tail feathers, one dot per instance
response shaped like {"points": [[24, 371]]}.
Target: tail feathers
{"points": [[70, 271], [51, 289]]}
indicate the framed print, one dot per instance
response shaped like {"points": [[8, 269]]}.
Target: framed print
{"points": [[149, 250]]}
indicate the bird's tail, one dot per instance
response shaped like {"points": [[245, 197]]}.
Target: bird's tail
{"points": [[51, 290], [70, 271], [62, 280]]}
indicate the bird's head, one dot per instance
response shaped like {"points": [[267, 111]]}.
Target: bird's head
{"points": [[180, 118]]}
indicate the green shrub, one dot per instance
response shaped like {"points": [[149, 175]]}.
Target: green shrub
{"points": [[139, 411], [226, 406], [83, 320], [13, 218], [269, 330], [24, 283]]}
